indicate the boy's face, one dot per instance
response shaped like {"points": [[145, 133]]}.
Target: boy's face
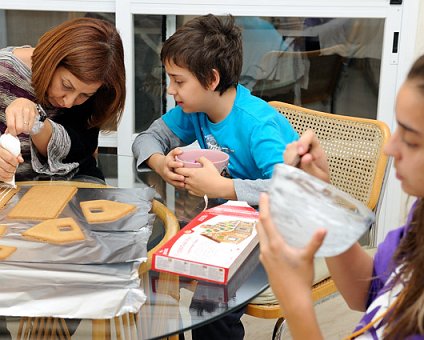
{"points": [[187, 90]]}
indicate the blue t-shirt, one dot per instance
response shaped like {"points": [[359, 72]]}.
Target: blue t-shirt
{"points": [[254, 134]]}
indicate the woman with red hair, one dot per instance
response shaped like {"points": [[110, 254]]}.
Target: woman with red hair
{"points": [[57, 96]]}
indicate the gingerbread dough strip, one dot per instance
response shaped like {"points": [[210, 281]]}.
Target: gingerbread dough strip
{"points": [[42, 202]]}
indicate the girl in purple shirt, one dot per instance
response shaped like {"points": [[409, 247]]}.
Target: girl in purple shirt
{"points": [[390, 287]]}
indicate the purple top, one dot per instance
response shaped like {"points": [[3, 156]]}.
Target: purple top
{"points": [[381, 294]]}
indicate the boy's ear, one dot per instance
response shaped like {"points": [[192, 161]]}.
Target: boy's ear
{"points": [[214, 83]]}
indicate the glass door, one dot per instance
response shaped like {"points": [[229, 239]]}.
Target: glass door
{"points": [[341, 56], [345, 57]]}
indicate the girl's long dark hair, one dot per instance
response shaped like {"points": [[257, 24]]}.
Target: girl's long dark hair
{"points": [[408, 316]]}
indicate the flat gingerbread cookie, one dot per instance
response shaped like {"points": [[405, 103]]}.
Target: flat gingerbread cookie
{"points": [[57, 231], [6, 251], [42, 202], [103, 211]]}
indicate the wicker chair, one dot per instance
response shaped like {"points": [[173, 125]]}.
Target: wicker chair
{"points": [[354, 147]]}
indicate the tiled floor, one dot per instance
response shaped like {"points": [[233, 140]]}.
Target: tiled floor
{"points": [[334, 316]]}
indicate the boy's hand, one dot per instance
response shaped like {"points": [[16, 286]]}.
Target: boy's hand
{"points": [[308, 155], [165, 166], [207, 181]]}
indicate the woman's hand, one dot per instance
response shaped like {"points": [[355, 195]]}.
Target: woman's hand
{"points": [[308, 155], [20, 116], [207, 181], [8, 164], [290, 270]]}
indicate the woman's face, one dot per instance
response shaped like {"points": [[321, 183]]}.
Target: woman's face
{"points": [[66, 90], [406, 145]]}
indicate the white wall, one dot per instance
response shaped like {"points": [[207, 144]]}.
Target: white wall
{"points": [[419, 47]]}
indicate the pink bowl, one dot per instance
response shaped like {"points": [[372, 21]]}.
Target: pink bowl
{"points": [[189, 158]]}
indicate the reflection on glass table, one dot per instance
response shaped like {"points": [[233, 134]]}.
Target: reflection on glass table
{"points": [[325, 65], [174, 304]]}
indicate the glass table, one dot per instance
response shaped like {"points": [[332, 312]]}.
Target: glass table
{"points": [[174, 303]]}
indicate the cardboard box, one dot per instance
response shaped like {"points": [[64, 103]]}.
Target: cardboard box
{"points": [[213, 245], [208, 292]]}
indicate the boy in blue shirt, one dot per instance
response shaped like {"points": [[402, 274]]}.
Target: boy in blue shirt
{"points": [[203, 60]]}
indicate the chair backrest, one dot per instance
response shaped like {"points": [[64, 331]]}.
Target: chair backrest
{"points": [[354, 148]]}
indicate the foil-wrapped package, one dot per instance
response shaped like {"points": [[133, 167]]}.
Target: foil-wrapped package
{"points": [[70, 290], [95, 277], [120, 241]]}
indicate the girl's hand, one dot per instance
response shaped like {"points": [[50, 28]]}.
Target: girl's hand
{"points": [[20, 116], [290, 270], [308, 155]]}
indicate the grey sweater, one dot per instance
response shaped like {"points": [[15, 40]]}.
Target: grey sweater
{"points": [[158, 138], [15, 82]]}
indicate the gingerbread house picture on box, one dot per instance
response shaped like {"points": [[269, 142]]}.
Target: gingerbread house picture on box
{"points": [[229, 231]]}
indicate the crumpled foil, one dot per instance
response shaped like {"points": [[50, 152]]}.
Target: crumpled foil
{"points": [[301, 203], [120, 241]]}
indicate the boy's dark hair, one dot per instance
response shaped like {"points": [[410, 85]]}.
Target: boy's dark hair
{"points": [[206, 43]]}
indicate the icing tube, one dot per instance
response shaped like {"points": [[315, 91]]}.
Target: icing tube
{"points": [[13, 145]]}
